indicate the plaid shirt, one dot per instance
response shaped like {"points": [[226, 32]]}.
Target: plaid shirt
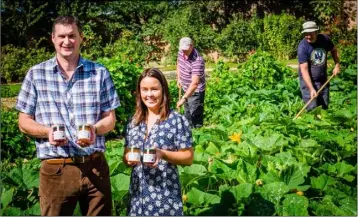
{"points": [[46, 95]]}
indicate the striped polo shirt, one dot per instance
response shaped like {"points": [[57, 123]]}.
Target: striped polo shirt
{"points": [[193, 65]]}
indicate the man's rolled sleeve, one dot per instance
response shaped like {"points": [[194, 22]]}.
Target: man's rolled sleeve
{"points": [[27, 98], [109, 96]]}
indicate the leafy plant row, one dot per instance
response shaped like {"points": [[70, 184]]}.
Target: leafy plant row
{"points": [[251, 157]]}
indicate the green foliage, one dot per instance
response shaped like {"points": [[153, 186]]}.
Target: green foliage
{"points": [[10, 90], [239, 37], [347, 55], [14, 144], [15, 62], [124, 75], [281, 35], [189, 21], [262, 71]]}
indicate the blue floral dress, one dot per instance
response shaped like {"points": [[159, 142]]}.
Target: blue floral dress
{"points": [[157, 191]]}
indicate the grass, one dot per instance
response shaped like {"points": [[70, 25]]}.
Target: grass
{"points": [[209, 65], [10, 90]]}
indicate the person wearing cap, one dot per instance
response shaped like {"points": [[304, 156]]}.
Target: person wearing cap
{"points": [[190, 72], [312, 57]]}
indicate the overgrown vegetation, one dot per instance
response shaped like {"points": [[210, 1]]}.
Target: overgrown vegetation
{"points": [[251, 158], [150, 30]]}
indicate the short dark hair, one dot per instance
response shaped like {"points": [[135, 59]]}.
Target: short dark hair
{"points": [[141, 109], [67, 20]]}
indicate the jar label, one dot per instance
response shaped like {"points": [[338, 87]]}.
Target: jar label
{"points": [[149, 158], [59, 135], [84, 134], [133, 156]]}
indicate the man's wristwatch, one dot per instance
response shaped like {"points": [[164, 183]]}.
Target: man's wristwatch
{"points": [[186, 99]]}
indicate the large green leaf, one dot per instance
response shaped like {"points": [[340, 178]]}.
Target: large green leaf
{"points": [[198, 197], [13, 211], [269, 143], [6, 197], [343, 169], [273, 191], [322, 182], [247, 173], [191, 173], [31, 178], [308, 143], [327, 207], [295, 205], [34, 210], [201, 157], [212, 149], [222, 170], [296, 175], [240, 191], [120, 182], [195, 169], [349, 205]]}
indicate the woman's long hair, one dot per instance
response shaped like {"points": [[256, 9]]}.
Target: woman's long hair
{"points": [[141, 110]]}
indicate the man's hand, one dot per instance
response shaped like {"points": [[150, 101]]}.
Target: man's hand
{"points": [[337, 69], [53, 142], [313, 93], [180, 103], [92, 138]]}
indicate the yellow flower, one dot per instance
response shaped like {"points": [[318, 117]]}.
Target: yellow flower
{"points": [[236, 137]]}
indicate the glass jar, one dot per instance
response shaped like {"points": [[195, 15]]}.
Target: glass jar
{"points": [[134, 155], [59, 134], [84, 133], [149, 155]]}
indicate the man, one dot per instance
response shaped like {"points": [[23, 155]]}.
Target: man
{"points": [[312, 58], [191, 78], [70, 91]]}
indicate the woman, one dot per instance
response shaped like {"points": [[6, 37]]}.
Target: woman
{"points": [[155, 188]]}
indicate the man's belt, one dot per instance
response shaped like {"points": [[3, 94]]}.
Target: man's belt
{"points": [[74, 160]]}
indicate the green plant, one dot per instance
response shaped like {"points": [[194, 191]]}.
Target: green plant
{"points": [[10, 90], [282, 33], [124, 75], [15, 61], [238, 38], [14, 144]]}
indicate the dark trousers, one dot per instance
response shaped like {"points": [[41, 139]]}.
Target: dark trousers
{"points": [[321, 100], [194, 109], [63, 185]]}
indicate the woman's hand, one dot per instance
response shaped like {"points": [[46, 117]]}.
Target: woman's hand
{"points": [[159, 154], [131, 163]]}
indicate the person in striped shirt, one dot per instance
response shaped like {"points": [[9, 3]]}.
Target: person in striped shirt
{"points": [[190, 72]]}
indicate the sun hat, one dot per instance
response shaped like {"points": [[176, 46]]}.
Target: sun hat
{"points": [[185, 43], [309, 26]]}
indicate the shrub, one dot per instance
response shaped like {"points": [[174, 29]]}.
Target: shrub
{"points": [[282, 34], [187, 22], [10, 90], [239, 38], [124, 75], [262, 71], [14, 144], [15, 62]]}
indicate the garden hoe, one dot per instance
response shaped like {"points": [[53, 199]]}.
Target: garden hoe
{"points": [[320, 89], [179, 98]]}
